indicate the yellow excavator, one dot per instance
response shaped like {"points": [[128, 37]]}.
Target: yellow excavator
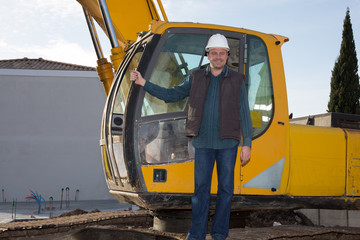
{"points": [[148, 160]]}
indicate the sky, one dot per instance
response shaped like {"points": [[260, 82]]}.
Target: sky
{"points": [[56, 30]]}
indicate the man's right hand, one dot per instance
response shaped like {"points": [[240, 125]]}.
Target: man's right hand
{"points": [[245, 155], [136, 77]]}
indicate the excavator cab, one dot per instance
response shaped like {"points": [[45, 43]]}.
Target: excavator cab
{"points": [[147, 157]]}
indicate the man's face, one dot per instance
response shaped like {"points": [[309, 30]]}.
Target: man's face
{"points": [[217, 58]]}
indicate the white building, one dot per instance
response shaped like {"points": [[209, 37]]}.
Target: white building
{"points": [[50, 116]]}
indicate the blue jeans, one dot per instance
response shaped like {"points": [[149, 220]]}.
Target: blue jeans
{"points": [[204, 164]]}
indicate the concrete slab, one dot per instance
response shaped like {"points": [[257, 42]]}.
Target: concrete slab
{"points": [[312, 214], [333, 218], [354, 218]]}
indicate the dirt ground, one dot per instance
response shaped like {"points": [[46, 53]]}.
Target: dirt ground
{"points": [[127, 225]]}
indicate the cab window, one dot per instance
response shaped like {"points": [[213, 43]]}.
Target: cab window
{"points": [[122, 94], [180, 55], [162, 139], [259, 85]]}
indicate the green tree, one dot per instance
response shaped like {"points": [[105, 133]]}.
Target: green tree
{"points": [[345, 88]]}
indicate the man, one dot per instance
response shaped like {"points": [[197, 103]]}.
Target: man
{"points": [[217, 97]]}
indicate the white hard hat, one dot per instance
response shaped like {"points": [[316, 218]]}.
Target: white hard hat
{"points": [[217, 41]]}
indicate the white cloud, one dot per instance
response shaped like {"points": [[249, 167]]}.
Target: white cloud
{"points": [[50, 29], [62, 50], [48, 8], [56, 50]]}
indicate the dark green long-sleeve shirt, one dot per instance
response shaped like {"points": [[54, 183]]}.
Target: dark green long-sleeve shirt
{"points": [[208, 136]]}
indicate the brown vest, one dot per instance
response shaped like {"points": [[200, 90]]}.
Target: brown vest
{"points": [[229, 98]]}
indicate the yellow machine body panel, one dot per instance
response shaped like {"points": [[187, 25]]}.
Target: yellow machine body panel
{"points": [[353, 163], [179, 178], [317, 161], [161, 27]]}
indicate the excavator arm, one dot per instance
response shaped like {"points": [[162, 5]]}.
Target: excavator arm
{"points": [[121, 21]]}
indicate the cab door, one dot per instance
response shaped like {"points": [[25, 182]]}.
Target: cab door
{"points": [[266, 172]]}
